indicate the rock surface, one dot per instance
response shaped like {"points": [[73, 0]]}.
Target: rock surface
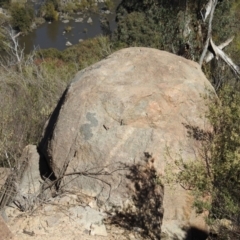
{"points": [[67, 217], [5, 233], [23, 187], [31, 181], [130, 108]]}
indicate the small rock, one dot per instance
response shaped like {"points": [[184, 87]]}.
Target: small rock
{"points": [[80, 40], [77, 212], [34, 25], [119, 231], [98, 229], [4, 215], [131, 236], [68, 44], [86, 216], [68, 200], [49, 208], [93, 204], [65, 21], [52, 221], [79, 20], [89, 20], [108, 227], [11, 212], [137, 229]]}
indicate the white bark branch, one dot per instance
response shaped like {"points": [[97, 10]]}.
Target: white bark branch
{"points": [[219, 53], [210, 55], [207, 9], [209, 34]]}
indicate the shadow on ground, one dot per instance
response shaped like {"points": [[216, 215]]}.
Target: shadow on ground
{"points": [[144, 212]]}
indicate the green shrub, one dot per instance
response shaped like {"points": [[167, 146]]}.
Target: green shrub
{"points": [[48, 11], [77, 5], [22, 16], [215, 179], [3, 37], [137, 30], [87, 52], [109, 4]]}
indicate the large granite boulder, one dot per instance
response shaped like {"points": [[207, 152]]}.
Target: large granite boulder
{"points": [[130, 108]]}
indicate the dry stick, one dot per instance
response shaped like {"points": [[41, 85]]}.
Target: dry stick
{"points": [[88, 174], [209, 33]]}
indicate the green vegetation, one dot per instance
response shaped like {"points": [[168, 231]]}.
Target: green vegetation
{"points": [[177, 23], [215, 179], [49, 10], [75, 6], [82, 54], [4, 3], [134, 31], [3, 37], [109, 4], [22, 16]]}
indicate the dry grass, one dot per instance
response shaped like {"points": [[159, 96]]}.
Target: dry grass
{"points": [[27, 98]]}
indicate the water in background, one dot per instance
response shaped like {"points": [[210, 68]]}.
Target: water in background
{"points": [[50, 35]]}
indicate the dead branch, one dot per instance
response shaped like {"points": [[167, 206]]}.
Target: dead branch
{"points": [[209, 34], [14, 52], [210, 55], [205, 12], [94, 175], [14, 45], [219, 53]]}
